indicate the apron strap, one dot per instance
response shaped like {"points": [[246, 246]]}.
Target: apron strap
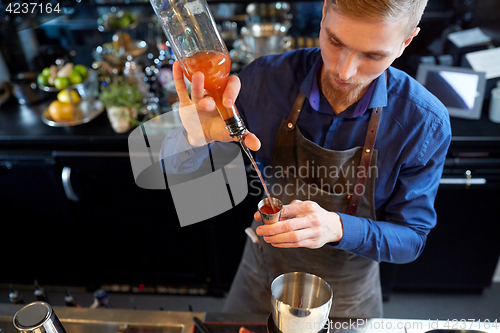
{"points": [[295, 112], [366, 157]]}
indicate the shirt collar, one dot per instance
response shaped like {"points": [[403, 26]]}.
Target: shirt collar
{"points": [[376, 96]]}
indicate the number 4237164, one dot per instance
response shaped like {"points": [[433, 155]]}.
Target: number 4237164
{"points": [[471, 323], [31, 8]]}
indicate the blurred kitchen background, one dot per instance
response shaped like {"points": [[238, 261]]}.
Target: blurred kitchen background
{"points": [[75, 228]]}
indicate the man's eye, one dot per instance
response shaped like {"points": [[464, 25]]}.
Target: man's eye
{"points": [[374, 57], [334, 42]]}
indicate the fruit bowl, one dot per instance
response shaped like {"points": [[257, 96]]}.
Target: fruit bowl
{"points": [[67, 76], [84, 112], [54, 89]]}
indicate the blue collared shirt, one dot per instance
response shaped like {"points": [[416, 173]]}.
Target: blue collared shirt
{"points": [[413, 138]]}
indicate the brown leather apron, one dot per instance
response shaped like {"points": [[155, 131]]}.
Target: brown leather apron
{"points": [[305, 171]]}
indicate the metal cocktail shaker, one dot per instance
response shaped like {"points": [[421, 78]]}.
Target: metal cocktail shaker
{"points": [[37, 317], [301, 303]]}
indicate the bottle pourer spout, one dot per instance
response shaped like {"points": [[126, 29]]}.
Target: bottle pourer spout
{"points": [[245, 148], [236, 129]]}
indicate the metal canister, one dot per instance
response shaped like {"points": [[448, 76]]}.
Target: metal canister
{"points": [[37, 317], [301, 303]]}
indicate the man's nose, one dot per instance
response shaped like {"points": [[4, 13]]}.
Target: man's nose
{"points": [[347, 66]]}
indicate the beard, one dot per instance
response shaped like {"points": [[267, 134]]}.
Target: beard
{"points": [[338, 95]]}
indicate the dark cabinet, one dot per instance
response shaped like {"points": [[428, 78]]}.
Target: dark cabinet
{"points": [[79, 215], [462, 250], [34, 215]]}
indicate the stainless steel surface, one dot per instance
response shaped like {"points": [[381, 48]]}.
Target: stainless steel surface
{"points": [[301, 302], [463, 181], [37, 317], [85, 320], [68, 188], [103, 320], [264, 29], [265, 39], [275, 9], [274, 12]]}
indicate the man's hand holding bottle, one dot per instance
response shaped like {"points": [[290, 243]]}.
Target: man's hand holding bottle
{"points": [[199, 110]]}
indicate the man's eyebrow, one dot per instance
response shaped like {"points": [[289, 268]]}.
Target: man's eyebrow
{"points": [[378, 53]]}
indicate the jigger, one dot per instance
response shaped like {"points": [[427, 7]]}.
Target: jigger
{"points": [[266, 210]]}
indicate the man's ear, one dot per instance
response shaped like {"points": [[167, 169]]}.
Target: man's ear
{"points": [[408, 41]]}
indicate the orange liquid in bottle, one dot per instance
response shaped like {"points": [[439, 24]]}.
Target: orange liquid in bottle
{"points": [[216, 68]]}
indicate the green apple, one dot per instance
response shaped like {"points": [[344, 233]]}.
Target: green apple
{"points": [[125, 22], [46, 72], [42, 79], [61, 82], [75, 77], [82, 70]]}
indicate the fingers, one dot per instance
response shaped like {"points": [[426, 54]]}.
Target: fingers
{"points": [[198, 93], [298, 208], [298, 236], [252, 142], [180, 85], [282, 227], [233, 88], [197, 87], [207, 103]]}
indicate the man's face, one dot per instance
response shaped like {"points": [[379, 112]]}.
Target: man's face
{"points": [[355, 52]]}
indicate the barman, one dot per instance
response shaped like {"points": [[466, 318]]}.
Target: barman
{"points": [[372, 139]]}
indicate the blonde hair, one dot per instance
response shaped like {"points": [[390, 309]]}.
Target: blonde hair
{"points": [[409, 12]]}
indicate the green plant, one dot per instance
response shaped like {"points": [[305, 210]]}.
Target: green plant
{"points": [[120, 93]]}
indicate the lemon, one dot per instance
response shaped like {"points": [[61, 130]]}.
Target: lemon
{"points": [[63, 96]]}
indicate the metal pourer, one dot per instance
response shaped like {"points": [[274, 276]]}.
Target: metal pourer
{"points": [[236, 129]]}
